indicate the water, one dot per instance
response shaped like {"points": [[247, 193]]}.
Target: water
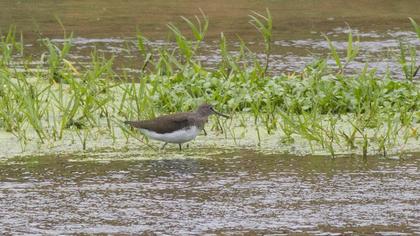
{"points": [[292, 19], [235, 192], [298, 27]]}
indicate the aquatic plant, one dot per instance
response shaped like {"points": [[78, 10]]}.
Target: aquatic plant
{"points": [[330, 108]]}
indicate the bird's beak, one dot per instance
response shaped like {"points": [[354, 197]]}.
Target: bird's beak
{"points": [[220, 114]]}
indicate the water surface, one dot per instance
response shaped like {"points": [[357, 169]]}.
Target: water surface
{"points": [[111, 26], [235, 192]]}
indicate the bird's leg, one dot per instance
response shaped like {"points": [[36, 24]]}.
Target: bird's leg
{"points": [[163, 146], [180, 148], [205, 133]]}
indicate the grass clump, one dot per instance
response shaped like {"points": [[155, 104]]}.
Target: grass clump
{"points": [[327, 106]]}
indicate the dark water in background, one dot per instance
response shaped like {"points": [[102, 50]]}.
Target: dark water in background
{"points": [[298, 25], [293, 19], [236, 192]]}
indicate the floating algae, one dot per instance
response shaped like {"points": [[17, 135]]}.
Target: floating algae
{"points": [[234, 137], [63, 108]]}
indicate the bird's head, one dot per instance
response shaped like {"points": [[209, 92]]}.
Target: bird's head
{"points": [[207, 110]]}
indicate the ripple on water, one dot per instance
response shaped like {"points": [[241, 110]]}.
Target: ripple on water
{"points": [[229, 193]]}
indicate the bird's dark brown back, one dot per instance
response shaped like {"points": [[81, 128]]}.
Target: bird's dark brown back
{"points": [[164, 124]]}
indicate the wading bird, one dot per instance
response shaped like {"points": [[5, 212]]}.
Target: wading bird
{"points": [[178, 127]]}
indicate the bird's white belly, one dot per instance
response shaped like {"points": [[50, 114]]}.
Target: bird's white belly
{"points": [[179, 136]]}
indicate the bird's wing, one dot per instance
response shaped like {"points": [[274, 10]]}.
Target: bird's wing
{"points": [[163, 124]]}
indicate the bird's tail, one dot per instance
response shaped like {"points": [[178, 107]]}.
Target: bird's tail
{"points": [[134, 124], [127, 122]]}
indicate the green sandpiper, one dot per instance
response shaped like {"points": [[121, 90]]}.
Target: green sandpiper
{"points": [[177, 128]]}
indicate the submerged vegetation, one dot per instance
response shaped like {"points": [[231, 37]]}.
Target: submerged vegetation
{"points": [[327, 106]]}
